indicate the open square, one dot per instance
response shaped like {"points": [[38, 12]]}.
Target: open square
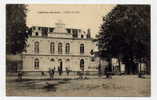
{"points": [[125, 85]]}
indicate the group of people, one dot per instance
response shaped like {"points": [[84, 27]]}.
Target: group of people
{"points": [[52, 71], [60, 71]]}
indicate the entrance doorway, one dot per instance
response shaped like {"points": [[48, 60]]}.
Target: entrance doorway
{"points": [[60, 64]]}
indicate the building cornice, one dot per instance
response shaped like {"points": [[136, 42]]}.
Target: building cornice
{"points": [[56, 55], [59, 33], [90, 39]]}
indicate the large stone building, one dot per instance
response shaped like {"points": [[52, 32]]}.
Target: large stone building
{"points": [[50, 47], [54, 47], [67, 48]]}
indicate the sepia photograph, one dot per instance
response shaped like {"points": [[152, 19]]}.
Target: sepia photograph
{"points": [[78, 50]]}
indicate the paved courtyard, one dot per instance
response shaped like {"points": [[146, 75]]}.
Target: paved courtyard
{"points": [[125, 85]]}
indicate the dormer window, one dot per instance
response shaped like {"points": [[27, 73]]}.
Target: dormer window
{"points": [[68, 30], [36, 34], [50, 29], [33, 28], [75, 34]]}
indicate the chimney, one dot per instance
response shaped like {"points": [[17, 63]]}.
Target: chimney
{"points": [[88, 33]]}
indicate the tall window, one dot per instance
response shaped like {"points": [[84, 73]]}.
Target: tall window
{"points": [[52, 47], [36, 63], [67, 48], [59, 48], [36, 47], [81, 48], [82, 64]]}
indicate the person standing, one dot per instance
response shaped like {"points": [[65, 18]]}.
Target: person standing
{"points": [[99, 70], [59, 71], [67, 71], [19, 76], [106, 72], [50, 73]]}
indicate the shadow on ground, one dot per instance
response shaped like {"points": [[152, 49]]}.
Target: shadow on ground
{"points": [[49, 85]]}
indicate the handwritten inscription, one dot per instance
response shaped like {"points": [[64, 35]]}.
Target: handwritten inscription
{"points": [[59, 12]]}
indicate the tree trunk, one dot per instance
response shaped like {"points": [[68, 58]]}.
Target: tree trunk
{"points": [[130, 67], [148, 67], [140, 67], [119, 64], [109, 63]]}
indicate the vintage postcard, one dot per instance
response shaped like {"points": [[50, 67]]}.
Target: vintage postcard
{"points": [[97, 50]]}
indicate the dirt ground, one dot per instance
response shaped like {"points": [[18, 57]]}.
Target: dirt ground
{"points": [[126, 85]]}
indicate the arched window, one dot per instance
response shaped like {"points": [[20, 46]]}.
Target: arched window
{"points": [[59, 48], [52, 47], [36, 63], [36, 47], [68, 60], [67, 48], [52, 59], [59, 60], [81, 48], [82, 64]]}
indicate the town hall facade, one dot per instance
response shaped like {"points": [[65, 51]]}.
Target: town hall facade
{"points": [[53, 47]]}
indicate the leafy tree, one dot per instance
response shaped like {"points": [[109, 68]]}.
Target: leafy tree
{"points": [[16, 29], [125, 34]]}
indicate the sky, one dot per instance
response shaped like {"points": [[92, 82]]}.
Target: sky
{"points": [[81, 16]]}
